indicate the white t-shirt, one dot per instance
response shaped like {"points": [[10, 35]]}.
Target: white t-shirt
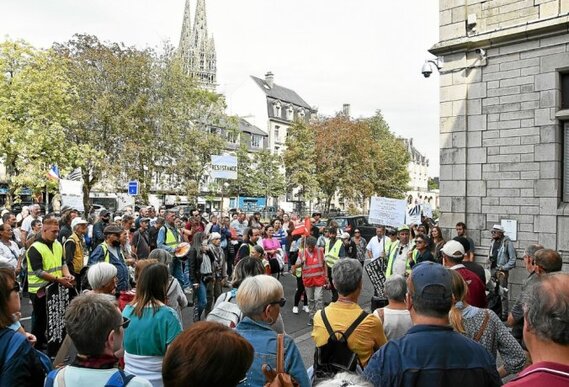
{"points": [[76, 376], [376, 246], [10, 254], [400, 261]]}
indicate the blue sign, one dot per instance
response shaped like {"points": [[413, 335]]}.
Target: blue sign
{"points": [[133, 187]]}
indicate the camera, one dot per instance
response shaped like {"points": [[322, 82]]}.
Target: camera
{"points": [[427, 70]]}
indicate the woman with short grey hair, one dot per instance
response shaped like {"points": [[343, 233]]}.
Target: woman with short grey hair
{"points": [[395, 316], [102, 278], [261, 298]]}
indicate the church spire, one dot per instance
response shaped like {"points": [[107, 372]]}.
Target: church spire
{"points": [[197, 49], [186, 31]]}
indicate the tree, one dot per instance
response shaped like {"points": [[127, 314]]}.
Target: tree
{"points": [[300, 160], [268, 178], [35, 108]]}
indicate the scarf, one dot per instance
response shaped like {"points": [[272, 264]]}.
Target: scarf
{"points": [[100, 362]]}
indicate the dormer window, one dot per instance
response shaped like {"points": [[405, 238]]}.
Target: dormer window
{"points": [[277, 109], [301, 113], [289, 113]]}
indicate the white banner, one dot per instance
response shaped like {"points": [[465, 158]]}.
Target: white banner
{"points": [[71, 194], [414, 215], [427, 210], [387, 212], [224, 167]]}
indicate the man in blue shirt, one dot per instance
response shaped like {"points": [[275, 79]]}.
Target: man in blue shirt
{"points": [[431, 353]]}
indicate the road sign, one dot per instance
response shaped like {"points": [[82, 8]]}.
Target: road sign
{"points": [[133, 188]]}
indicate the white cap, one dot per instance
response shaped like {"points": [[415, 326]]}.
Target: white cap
{"points": [[453, 249], [345, 236], [77, 221], [498, 227]]}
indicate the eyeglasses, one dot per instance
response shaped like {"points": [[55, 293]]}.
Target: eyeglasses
{"points": [[16, 288], [280, 302], [125, 322], [419, 241]]}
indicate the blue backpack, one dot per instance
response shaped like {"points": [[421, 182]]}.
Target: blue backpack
{"points": [[20, 361], [118, 379]]}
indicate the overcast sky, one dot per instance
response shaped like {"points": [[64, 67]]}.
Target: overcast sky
{"points": [[367, 53]]}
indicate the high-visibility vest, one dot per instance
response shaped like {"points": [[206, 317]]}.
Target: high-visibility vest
{"points": [[313, 271], [393, 252], [170, 239], [332, 255], [78, 257], [51, 263]]}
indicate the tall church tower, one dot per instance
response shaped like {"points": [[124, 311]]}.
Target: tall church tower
{"points": [[196, 49]]}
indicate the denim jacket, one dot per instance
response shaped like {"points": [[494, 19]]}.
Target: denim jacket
{"points": [[264, 341], [506, 253]]}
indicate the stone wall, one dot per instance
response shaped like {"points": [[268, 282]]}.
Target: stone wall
{"points": [[501, 143]]}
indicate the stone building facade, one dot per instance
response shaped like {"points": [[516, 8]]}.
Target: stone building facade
{"points": [[503, 131]]}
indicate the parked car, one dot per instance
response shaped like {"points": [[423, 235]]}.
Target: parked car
{"points": [[350, 223]]}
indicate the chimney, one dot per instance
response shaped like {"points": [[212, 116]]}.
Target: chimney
{"points": [[269, 78], [346, 110]]}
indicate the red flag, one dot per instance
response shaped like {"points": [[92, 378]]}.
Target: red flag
{"points": [[303, 228]]}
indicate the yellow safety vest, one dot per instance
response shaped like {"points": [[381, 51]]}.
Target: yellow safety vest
{"points": [[78, 257], [391, 258], [51, 263], [332, 255], [170, 239]]}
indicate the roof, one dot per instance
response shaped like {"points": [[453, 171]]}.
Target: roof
{"points": [[416, 156], [281, 93], [245, 126]]}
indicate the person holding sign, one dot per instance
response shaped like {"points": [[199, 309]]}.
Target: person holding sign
{"points": [[46, 266], [398, 260]]}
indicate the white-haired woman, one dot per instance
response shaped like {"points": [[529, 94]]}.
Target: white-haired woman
{"points": [[260, 299], [103, 279]]}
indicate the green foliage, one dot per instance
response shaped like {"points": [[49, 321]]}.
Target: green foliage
{"points": [[268, 179], [35, 109], [433, 184], [300, 160]]}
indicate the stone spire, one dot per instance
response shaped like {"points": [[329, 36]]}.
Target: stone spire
{"points": [[186, 31], [197, 49]]}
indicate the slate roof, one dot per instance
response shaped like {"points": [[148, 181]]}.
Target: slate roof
{"points": [[245, 126], [281, 93]]}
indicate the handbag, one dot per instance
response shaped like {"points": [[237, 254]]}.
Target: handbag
{"points": [[278, 377]]}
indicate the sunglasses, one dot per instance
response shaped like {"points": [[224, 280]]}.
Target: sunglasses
{"points": [[280, 302], [16, 288], [125, 322]]}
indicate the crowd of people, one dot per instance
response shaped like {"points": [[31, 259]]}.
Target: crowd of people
{"points": [[133, 275]]}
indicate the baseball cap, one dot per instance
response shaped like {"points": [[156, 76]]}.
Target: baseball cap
{"points": [[431, 281], [403, 228], [112, 229], [453, 249], [144, 219], [104, 213], [77, 221], [498, 227]]}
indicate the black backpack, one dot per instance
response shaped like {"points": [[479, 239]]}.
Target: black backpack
{"points": [[335, 356]]}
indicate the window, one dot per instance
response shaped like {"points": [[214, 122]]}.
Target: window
{"points": [[277, 109], [231, 137], [255, 141], [277, 132], [289, 113], [565, 91]]}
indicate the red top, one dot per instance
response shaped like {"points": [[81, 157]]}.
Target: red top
{"points": [[542, 374], [476, 295]]}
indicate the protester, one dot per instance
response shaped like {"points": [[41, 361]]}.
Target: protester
{"points": [[485, 327], [219, 269], [26, 227], [398, 261], [23, 367], [175, 296], [368, 336], [453, 254], [110, 251], [468, 260], [273, 250], [314, 275], [261, 298], [99, 227], [9, 251], [422, 252], [201, 274], [169, 239], [431, 354], [546, 332], [103, 279], [437, 243], [75, 251], [378, 245], [153, 325], [395, 316], [197, 355], [333, 251], [140, 246], [502, 259], [45, 266]]}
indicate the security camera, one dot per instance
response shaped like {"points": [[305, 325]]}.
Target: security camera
{"points": [[427, 70], [480, 51]]}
